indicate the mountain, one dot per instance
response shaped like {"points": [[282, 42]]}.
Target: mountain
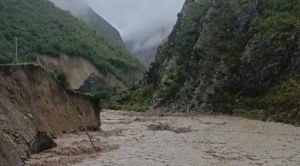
{"points": [[145, 48], [236, 57], [43, 29], [146, 55], [86, 14]]}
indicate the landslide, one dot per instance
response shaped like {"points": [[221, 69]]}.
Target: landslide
{"points": [[34, 108], [77, 70]]}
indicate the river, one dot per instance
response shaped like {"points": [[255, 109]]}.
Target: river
{"points": [[139, 139]]}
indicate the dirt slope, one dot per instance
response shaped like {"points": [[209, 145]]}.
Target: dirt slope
{"points": [[77, 70], [151, 140], [31, 103]]}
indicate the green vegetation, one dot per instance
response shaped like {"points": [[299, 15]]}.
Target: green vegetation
{"points": [[274, 35], [184, 44], [101, 26], [59, 76], [271, 29], [104, 92], [281, 103], [235, 56], [43, 29], [173, 84], [131, 100], [185, 41]]}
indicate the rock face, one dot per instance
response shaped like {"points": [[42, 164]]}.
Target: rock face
{"points": [[91, 83], [41, 142], [228, 56], [34, 108]]}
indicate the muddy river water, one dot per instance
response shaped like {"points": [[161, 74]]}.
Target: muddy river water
{"points": [[136, 139]]}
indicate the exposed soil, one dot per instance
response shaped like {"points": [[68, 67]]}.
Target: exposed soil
{"points": [[139, 139], [77, 70], [33, 108]]}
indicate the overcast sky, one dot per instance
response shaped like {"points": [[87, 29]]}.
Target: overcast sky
{"points": [[138, 20]]}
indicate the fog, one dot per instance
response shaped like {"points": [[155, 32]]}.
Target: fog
{"points": [[146, 23], [143, 24], [76, 7]]}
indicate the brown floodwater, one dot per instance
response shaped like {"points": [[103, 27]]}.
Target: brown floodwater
{"points": [[137, 139]]}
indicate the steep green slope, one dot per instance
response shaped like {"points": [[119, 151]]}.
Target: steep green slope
{"points": [[102, 27], [86, 14], [233, 56], [43, 29]]}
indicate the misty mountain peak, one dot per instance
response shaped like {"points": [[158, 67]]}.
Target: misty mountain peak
{"points": [[87, 14]]}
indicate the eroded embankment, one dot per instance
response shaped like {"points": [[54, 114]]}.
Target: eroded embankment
{"points": [[33, 106]]}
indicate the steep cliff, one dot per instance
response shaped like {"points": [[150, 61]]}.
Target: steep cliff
{"points": [[34, 108], [232, 57]]}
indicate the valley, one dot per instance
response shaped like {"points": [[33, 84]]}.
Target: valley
{"points": [[220, 87]]}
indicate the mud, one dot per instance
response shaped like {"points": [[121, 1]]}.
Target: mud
{"points": [[33, 108], [210, 141], [163, 126], [72, 149]]}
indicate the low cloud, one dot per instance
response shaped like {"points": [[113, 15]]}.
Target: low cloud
{"points": [[76, 7], [142, 23], [146, 23], [152, 40]]}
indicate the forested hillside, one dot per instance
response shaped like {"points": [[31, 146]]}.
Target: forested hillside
{"points": [[86, 14], [102, 27], [43, 29], [233, 56]]}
